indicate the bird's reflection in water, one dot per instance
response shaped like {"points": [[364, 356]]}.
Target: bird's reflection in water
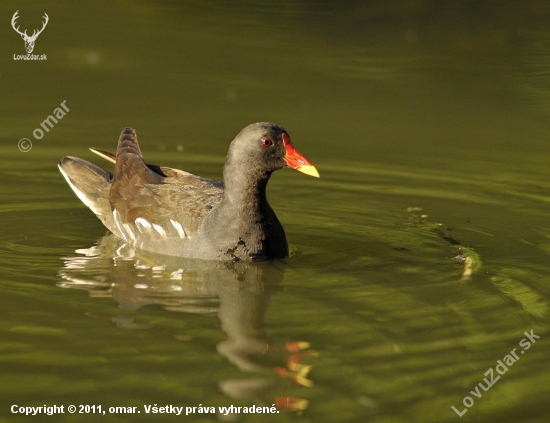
{"points": [[238, 292]]}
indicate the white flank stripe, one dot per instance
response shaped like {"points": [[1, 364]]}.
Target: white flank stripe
{"points": [[129, 231], [142, 222], [178, 227], [119, 227], [160, 230]]}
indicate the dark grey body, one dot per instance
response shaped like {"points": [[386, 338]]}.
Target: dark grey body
{"points": [[176, 213]]}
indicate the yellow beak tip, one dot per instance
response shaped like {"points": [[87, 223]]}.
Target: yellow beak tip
{"points": [[309, 170]]}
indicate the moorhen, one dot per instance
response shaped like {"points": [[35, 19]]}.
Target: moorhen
{"points": [[169, 211]]}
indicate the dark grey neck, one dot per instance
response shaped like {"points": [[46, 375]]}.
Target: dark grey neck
{"points": [[245, 189], [244, 226]]}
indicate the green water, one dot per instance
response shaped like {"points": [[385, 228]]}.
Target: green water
{"points": [[428, 122]]}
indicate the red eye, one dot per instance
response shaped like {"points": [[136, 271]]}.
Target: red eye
{"points": [[266, 142]]}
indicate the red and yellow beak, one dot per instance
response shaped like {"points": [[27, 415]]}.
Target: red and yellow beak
{"points": [[295, 160]]}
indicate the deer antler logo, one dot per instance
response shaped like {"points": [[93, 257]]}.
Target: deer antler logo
{"points": [[29, 41]]}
